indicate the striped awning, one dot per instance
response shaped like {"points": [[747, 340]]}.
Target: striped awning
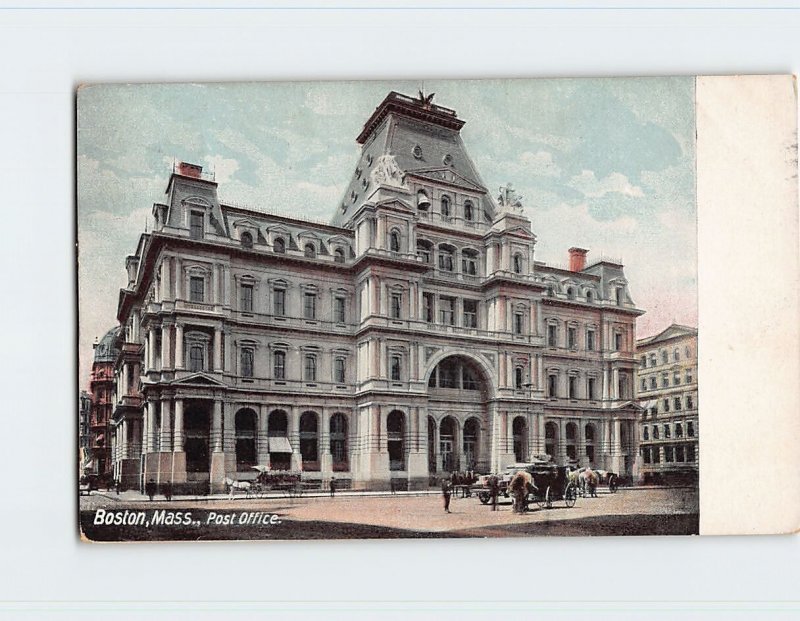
{"points": [[279, 444]]}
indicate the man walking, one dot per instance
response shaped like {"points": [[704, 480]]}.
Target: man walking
{"points": [[446, 490], [333, 486], [494, 490], [150, 489]]}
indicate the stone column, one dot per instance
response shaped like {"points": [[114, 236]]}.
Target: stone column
{"points": [[383, 356], [216, 427], [177, 286], [382, 231], [294, 438], [583, 460], [215, 284], [166, 426], [165, 338], [374, 286], [178, 435], [326, 459], [151, 348], [226, 285], [178, 346], [540, 433], [150, 417], [506, 253], [217, 350], [262, 436], [562, 441], [615, 383]]}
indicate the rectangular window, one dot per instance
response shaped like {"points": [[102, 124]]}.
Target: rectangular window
{"points": [[470, 313], [310, 371], [573, 387], [338, 370], [518, 323], [310, 305], [690, 453], [668, 454], [552, 335], [643, 362], [620, 296], [552, 385], [469, 265], [590, 340], [656, 455], [246, 305], [644, 384], [679, 453], [572, 338], [197, 289], [427, 307], [666, 405], [689, 402], [590, 388], [618, 341], [396, 301], [689, 378], [395, 368], [196, 225], [690, 429], [622, 387], [247, 362], [338, 310], [446, 310], [653, 360], [646, 455], [279, 303], [676, 402], [196, 358], [279, 365], [653, 383], [664, 380], [676, 378]]}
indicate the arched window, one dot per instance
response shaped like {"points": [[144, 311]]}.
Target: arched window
{"points": [[571, 293], [247, 240], [394, 241], [395, 427], [425, 250], [310, 251], [280, 450], [445, 206], [246, 361], [572, 436], [676, 355], [338, 428], [310, 370], [309, 442], [279, 245], [279, 365], [589, 296], [338, 255], [469, 262], [469, 211], [245, 431], [446, 258], [517, 263]]}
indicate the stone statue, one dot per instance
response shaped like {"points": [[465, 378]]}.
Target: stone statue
{"points": [[509, 200], [387, 172]]}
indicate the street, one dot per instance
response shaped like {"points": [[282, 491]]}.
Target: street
{"points": [[632, 511]]}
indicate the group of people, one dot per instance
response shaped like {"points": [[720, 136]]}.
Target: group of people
{"points": [[151, 488], [457, 481]]}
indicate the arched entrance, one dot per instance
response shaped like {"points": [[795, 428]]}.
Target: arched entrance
{"points": [[459, 390], [395, 439], [551, 439], [447, 443], [197, 430], [340, 457], [519, 430], [245, 423], [280, 451], [571, 432], [309, 440], [590, 440]]}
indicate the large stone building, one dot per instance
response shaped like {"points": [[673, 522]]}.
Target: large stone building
{"points": [[84, 416], [412, 336], [101, 387], [668, 397]]}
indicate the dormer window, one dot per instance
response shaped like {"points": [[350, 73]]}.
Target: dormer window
{"points": [[196, 225], [417, 152], [571, 293], [517, 263], [589, 297], [469, 211], [310, 251], [338, 255], [247, 240], [279, 246], [445, 202]]}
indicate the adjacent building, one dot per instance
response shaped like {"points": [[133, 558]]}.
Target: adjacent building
{"points": [[668, 433], [84, 416], [414, 335], [102, 387]]}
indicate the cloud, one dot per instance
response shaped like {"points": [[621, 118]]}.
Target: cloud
{"points": [[592, 187], [223, 167], [540, 163]]}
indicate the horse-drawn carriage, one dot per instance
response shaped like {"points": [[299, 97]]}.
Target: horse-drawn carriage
{"points": [[289, 482], [588, 479], [548, 483]]}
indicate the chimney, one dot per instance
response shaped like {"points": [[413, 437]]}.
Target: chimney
{"points": [[577, 259], [190, 170]]}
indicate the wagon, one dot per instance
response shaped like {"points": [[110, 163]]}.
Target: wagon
{"points": [[550, 480], [267, 480]]}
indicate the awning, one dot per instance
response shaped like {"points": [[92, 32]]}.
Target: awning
{"points": [[279, 445]]}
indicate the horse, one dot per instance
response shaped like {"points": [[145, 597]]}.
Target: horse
{"points": [[588, 482], [234, 485], [520, 486]]}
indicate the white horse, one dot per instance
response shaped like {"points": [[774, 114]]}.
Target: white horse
{"points": [[588, 482], [234, 485]]}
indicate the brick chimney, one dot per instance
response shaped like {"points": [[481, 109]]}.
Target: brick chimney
{"points": [[577, 259], [190, 170]]}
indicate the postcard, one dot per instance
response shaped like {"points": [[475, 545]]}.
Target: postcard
{"points": [[409, 309]]}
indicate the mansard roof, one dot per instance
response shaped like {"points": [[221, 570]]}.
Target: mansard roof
{"points": [[673, 331]]}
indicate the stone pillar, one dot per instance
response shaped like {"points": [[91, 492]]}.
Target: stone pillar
{"points": [[506, 261], [326, 459], [165, 338], [217, 473], [217, 350], [178, 346], [615, 383], [583, 460], [262, 436], [151, 348], [562, 441], [294, 439], [383, 359], [178, 435], [226, 286], [540, 433], [177, 286], [229, 437], [150, 417], [382, 231], [216, 427], [166, 426]]}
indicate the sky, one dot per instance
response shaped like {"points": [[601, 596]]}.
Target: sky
{"points": [[606, 164]]}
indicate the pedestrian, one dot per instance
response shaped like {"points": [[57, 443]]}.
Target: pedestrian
{"points": [[150, 489], [494, 490], [116, 486], [446, 490], [166, 489], [333, 486]]}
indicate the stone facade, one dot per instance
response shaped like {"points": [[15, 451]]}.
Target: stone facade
{"points": [[101, 386], [414, 335], [668, 396]]}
